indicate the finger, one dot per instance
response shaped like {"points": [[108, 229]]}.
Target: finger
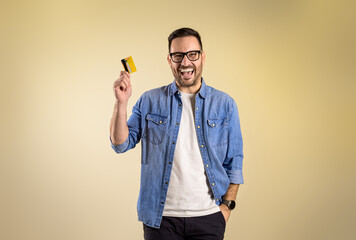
{"points": [[122, 77], [123, 86], [122, 73], [117, 82], [127, 82], [127, 74]]}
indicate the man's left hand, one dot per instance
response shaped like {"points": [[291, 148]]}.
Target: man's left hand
{"points": [[225, 211]]}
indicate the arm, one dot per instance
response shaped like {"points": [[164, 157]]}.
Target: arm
{"points": [[233, 161], [234, 156], [230, 194], [118, 128]]}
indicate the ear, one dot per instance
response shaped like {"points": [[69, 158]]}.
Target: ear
{"points": [[203, 57], [169, 60]]}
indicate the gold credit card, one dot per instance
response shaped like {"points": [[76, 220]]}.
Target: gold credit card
{"points": [[129, 65]]}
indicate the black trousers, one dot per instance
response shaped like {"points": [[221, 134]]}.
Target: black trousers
{"points": [[209, 227]]}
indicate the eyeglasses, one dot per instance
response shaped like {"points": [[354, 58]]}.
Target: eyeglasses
{"points": [[177, 57]]}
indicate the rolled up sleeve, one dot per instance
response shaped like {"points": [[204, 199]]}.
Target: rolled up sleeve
{"points": [[234, 157], [120, 148], [135, 129]]}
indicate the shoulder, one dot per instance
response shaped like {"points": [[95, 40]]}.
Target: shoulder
{"points": [[153, 97], [156, 92], [221, 102], [219, 96]]}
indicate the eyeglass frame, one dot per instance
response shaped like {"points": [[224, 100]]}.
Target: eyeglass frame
{"points": [[186, 54]]}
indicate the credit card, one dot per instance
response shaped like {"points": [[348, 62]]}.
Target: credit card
{"points": [[129, 65]]}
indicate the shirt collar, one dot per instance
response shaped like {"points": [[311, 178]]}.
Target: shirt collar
{"points": [[202, 92]]}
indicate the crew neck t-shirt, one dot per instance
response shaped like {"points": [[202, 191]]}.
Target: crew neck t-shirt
{"points": [[189, 194]]}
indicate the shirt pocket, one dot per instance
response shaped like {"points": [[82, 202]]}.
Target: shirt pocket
{"points": [[156, 128], [218, 131]]}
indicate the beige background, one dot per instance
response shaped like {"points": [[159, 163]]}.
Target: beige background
{"points": [[290, 65]]}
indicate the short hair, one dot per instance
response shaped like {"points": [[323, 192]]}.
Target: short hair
{"points": [[183, 32]]}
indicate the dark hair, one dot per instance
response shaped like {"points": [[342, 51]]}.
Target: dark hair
{"points": [[184, 32]]}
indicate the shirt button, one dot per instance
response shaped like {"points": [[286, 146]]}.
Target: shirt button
{"points": [[177, 124], [213, 184], [162, 203], [207, 165], [180, 105], [173, 142], [160, 121], [198, 126], [170, 162], [197, 108], [178, 93], [202, 146], [166, 182]]}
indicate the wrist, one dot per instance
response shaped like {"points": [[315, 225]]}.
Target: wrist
{"points": [[120, 101], [230, 204], [121, 104], [224, 207]]}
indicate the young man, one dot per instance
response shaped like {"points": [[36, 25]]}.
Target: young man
{"points": [[191, 164]]}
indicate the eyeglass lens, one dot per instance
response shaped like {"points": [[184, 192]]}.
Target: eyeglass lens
{"points": [[192, 56]]}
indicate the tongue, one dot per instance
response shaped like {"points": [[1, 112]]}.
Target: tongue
{"points": [[186, 74]]}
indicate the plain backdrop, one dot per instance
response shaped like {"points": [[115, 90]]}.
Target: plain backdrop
{"points": [[289, 65]]}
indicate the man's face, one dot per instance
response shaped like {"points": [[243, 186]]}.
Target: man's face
{"points": [[192, 78]]}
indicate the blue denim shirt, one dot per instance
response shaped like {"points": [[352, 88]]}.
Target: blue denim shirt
{"points": [[155, 120]]}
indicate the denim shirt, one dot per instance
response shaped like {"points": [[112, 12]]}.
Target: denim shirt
{"points": [[155, 120]]}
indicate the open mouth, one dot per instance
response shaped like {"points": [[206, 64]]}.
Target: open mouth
{"points": [[187, 73]]}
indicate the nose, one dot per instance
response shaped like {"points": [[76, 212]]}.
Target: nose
{"points": [[185, 61]]}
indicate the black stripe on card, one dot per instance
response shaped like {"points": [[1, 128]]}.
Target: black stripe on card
{"points": [[123, 61]]}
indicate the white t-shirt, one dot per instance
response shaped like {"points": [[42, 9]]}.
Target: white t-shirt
{"points": [[189, 194]]}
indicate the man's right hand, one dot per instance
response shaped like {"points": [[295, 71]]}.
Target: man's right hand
{"points": [[122, 87]]}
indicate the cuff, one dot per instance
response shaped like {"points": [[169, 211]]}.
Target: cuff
{"points": [[235, 176], [120, 148]]}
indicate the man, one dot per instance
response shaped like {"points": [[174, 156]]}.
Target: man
{"points": [[191, 163]]}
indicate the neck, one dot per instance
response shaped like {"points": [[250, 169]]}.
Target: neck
{"points": [[191, 89]]}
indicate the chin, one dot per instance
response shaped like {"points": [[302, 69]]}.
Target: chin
{"points": [[187, 83]]}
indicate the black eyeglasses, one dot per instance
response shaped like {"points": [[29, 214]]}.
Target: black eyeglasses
{"points": [[194, 55]]}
